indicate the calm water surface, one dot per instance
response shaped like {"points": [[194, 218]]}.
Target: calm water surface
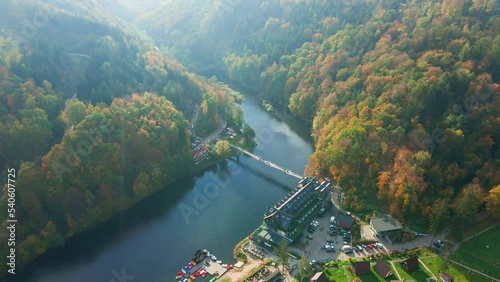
{"points": [[214, 209]]}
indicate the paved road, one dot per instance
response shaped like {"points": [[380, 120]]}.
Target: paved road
{"points": [[195, 117], [213, 135]]}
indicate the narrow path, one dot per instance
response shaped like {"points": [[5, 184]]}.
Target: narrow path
{"points": [[480, 232], [222, 125], [395, 270], [457, 245], [425, 266], [195, 117], [472, 269]]}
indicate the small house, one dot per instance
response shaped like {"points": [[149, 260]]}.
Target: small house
{"points": [[383, 269], [445, 277], [362, 267], [410, 264], [319, 277]]}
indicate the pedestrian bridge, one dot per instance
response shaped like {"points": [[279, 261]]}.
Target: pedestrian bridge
{"points": [[268, 163]]}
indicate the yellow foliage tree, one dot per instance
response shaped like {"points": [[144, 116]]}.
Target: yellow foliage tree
{"points": [[493, 202]]}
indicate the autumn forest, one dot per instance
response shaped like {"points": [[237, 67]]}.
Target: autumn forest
{"points": [[402, 99]]}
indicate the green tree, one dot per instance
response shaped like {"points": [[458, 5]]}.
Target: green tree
{"points": [[305, 268], [282, 253], [248, 132], [74, 112], [223, 149], [493, 202], [466, 207], [439, 217]]}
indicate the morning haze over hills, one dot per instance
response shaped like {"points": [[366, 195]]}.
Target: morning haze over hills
{"points": [[105, 103]]}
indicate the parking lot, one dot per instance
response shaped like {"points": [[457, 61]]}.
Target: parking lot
{"points": [[315, 247]]}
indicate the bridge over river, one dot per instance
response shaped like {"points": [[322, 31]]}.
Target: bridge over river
{"points": [[268, 163]]}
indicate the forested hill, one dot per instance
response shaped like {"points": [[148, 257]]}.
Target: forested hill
{"points": [[403, 97], [92, 118]]}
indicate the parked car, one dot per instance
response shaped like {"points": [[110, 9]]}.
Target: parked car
{"points": [[438, 244], [309, 237]]}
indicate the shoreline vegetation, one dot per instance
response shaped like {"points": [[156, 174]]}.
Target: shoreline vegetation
{"points": [[246, 142], [193, 169]]}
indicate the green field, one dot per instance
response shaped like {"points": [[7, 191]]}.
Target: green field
{"points": [[473, 229], [337, 274], [481, 252], [438, 265], [374, 277], [417, 275]]}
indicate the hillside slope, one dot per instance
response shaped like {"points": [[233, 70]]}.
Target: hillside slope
{"points": [[92, 119], [402, 96]]}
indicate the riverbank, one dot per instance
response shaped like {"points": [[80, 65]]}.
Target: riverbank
{"points": [[227, 200]]}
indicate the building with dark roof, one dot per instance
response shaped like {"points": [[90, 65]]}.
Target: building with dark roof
{"points": [[319, 277], [445, 277], [385, 224], [410, 264], [362, 267], [287, 218], [345, 221], [382, 268]]}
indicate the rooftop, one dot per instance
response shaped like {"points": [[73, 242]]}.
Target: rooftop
{"points": [[362, 267], [319, 277], [383, 269], [297, 203], [344, 220], [385, 223], [411, 264], [446, 277]]}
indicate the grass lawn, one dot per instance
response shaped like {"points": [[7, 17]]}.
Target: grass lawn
{"points": [[473, 229], [435, 264], [336, 273], [481, 252], [417, 275], [374, 277]]}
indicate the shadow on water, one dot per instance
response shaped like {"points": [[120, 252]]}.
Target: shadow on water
{"points": [[266, 177], [150, 237]]}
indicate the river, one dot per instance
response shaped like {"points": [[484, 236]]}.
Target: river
{"points": [[214, 209]]}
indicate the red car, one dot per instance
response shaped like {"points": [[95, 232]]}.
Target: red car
{"points": [[370, 246]]}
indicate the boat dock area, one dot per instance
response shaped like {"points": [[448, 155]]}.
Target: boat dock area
{"points": [[215, 267]]}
